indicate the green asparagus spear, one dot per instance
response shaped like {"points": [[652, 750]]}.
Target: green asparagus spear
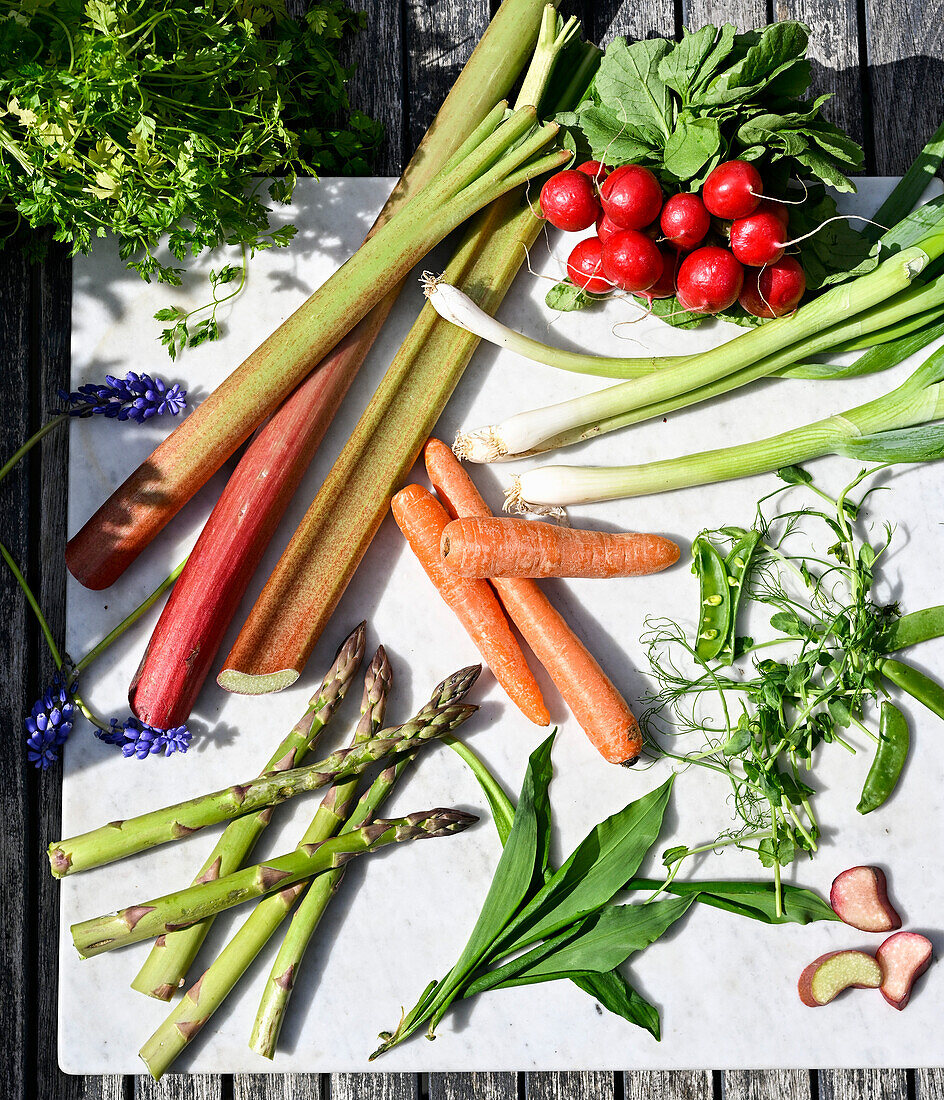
{"points": [[177, 910], [123, 838], [281, 980], [206, 995], [167, 964]]}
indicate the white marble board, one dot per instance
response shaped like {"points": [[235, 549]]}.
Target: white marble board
{"points": [[726, 987]]}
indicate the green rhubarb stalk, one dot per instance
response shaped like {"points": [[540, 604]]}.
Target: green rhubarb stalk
{"points": [[867, 432], [166, 967], [138, 509], [118, 839], [304, 588], [177, 910], [206, 995]]}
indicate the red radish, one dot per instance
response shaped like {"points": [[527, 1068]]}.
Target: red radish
{"points": [[827, 976], [685, 221], [771, 206], [585, 266], [733, 189], [606, 228], [709, 280], [757, 239], [631, 197], [568, 201], [631, 260], [859, 896], [903, 958], [775, 290], [595, 169], [664, 286]]}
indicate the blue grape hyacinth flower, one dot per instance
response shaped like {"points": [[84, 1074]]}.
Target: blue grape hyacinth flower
{"points": [[135, 397], [49, 724], [138, 739]]}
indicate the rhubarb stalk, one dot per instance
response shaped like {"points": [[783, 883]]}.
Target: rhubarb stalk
{"points": [[326, 549], [187, 636], [504, 155]]}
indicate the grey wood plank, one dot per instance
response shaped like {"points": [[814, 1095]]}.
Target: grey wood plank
{"points": [[278, 1086], [179, 1086], [52, 300], [863, 1084], [473, 1086], [834, 51], [766, 1084], [16, 686], [744, 14], [929, 1084], [671, 1085], [906, 77], [570, 1086], [376, 88], [374, 1086], [605, 19], [438, 39]]}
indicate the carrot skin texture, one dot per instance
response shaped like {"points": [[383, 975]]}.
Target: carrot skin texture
{"points": [[479, 547], [422, 518], [201, 606], [590, 695], [153, 494]]}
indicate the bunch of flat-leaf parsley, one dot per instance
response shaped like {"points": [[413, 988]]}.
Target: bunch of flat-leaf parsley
{"points": [[168, 116]]}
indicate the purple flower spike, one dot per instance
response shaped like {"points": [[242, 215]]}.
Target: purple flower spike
{"points": [[138, 739], [49, 724], [135, 397]]}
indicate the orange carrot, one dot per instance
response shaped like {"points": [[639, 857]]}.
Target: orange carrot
{"points": [[489, 547], [586, 689], [422, 518]]}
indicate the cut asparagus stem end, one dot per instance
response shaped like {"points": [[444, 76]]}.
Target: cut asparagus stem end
{"points": [[244, 683]]}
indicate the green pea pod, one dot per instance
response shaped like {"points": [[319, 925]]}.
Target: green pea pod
{"points": [[916, 684], [737, 565], [715, 599], [890, 755]]}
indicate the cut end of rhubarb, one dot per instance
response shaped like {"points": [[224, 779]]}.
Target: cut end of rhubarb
{"points": [[827, 976], [859, 896], [903, 958], [244, 683]]}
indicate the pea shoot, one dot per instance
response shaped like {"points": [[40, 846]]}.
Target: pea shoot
{"points": [[761, 708]]}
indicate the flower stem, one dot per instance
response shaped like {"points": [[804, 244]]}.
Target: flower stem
{"points": [[31, 443], [129, 620], [32, 601]]}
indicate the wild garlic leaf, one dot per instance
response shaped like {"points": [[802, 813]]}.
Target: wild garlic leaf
{"points": [[628, 83], [592, 874], [616, 994], [520, 860], [756, 900], [693, 142], [598, 943]]}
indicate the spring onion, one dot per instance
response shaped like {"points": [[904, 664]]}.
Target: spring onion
{"points": [[896, 427]]}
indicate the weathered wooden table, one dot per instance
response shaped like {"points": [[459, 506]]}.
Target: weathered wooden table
{"points": [[884, 60]]}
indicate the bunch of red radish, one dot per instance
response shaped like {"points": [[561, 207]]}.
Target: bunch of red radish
{"points": [[657, 247]]}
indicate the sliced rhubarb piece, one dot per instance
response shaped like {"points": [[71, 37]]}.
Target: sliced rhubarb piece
{"points": [[827, 976], [859, 896], [903, 958]]}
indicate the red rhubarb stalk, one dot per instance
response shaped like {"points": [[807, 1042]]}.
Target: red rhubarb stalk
{"points": [[126, 523], [188, 634]]}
